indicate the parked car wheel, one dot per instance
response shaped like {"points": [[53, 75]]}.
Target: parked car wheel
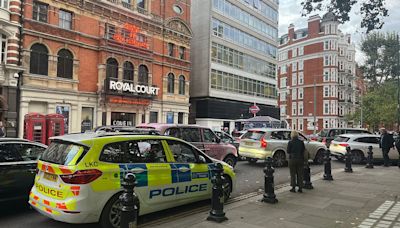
{"points": [[357, 156], [319, 157], [230, 160], [280, 158]]}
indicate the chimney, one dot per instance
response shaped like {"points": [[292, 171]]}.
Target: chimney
{"points": [[314, 24], [291, 32]]}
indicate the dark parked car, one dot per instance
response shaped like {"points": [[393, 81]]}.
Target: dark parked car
{"points": [[18, 160]]}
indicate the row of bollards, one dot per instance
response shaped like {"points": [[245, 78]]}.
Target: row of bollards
{"points": [[129, 200]]}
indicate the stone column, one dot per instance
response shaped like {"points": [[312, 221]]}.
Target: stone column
{"points": [[24, 109], [75, 119]]}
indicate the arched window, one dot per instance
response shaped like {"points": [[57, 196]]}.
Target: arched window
{"points": [[65, 62], [182, 85], [128, 71], [39, 59], [143, 75], [171, 82], [112, 68]]}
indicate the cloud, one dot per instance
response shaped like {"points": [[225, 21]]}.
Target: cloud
{"points": [[290, 12]]}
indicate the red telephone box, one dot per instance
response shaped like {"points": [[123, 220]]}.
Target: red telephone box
{"points": [[35, 127], [55, 125]]}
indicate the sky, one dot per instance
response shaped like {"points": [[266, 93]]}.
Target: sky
{"points": [[290, 12]]}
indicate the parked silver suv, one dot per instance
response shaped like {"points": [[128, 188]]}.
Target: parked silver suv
{"points": [[261, 143]]}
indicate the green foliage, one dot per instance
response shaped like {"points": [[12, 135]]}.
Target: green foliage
{"points": [[381, 51], [372, 11], [379, 106]]}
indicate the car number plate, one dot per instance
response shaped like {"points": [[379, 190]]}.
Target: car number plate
{"points": [[50, 177]]}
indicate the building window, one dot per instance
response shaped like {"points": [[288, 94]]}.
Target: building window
{"points": [[301, 78], [301, 93], [294, 108], [326, 45], [39, 59], [294, 79], [301, 50], [294, 52], [182, 52], [180, 117], [153, 117], [294, 94], [40, 11], [283, 69], [301, 65], [65, 64], [112, 68], [283, 111], [65, 19], [143, 75], [300, 125], [170, 118], [326, 60], [141, 4], [171, 49], [326, 91], [3, 48], [4, 4], [283, 83], [300, 108], [128, 71], [326, 75], [182, 85], [326, 107], [171, 83], [294, 66]]}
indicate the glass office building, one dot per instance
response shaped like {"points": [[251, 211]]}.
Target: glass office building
{"points": [[234, 52]]}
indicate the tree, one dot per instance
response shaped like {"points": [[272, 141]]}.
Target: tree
{"points": [[381, 52], [379, 106], [373, 11]]}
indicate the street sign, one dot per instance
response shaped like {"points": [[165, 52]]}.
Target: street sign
{"points": [[254, 109]]}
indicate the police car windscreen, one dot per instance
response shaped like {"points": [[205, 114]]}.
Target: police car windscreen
{"points": [[61, 153]]}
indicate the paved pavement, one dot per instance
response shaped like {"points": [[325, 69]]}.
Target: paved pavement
{"points": [[364, 198]]}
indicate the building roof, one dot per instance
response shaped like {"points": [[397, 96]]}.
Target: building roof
{"points": [[329, 16]]}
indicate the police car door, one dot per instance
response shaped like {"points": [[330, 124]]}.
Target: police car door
{"points": [[190, 172], [147, 160]]}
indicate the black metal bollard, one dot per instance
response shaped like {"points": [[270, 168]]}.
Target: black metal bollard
{"points": [[129, 202], [217, 213], [370, 158], [307, 177], [348, 161], [269, 188], [327, 166]]}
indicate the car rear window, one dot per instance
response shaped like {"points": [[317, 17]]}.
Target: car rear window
{"points": [[341, 139], [61, 153], [255, 135]]}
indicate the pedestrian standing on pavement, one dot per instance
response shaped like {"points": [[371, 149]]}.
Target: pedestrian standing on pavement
{"points": [[385, 144], [296, 151]]}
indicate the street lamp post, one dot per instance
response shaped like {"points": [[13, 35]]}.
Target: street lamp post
{"points": [[398, 82]]}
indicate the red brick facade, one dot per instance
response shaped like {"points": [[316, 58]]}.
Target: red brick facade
{"points": [[91, 42]]}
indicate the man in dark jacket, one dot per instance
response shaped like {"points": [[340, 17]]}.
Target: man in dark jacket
{"points": [[386, 143], [296, 151]]}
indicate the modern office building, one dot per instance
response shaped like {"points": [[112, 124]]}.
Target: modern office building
{"points": [[234, 50], [106, 62], [317, 75], [10, 69]]}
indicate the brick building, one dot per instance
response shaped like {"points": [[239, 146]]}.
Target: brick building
{"points": [[317, 61], [9, 67], [107, 62]]}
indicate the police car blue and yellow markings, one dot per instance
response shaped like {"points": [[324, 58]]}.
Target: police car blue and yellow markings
{"points": [[178, 173]]}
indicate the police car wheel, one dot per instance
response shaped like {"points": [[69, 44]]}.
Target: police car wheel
{"points": [[111, 216], [227, 188]]}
